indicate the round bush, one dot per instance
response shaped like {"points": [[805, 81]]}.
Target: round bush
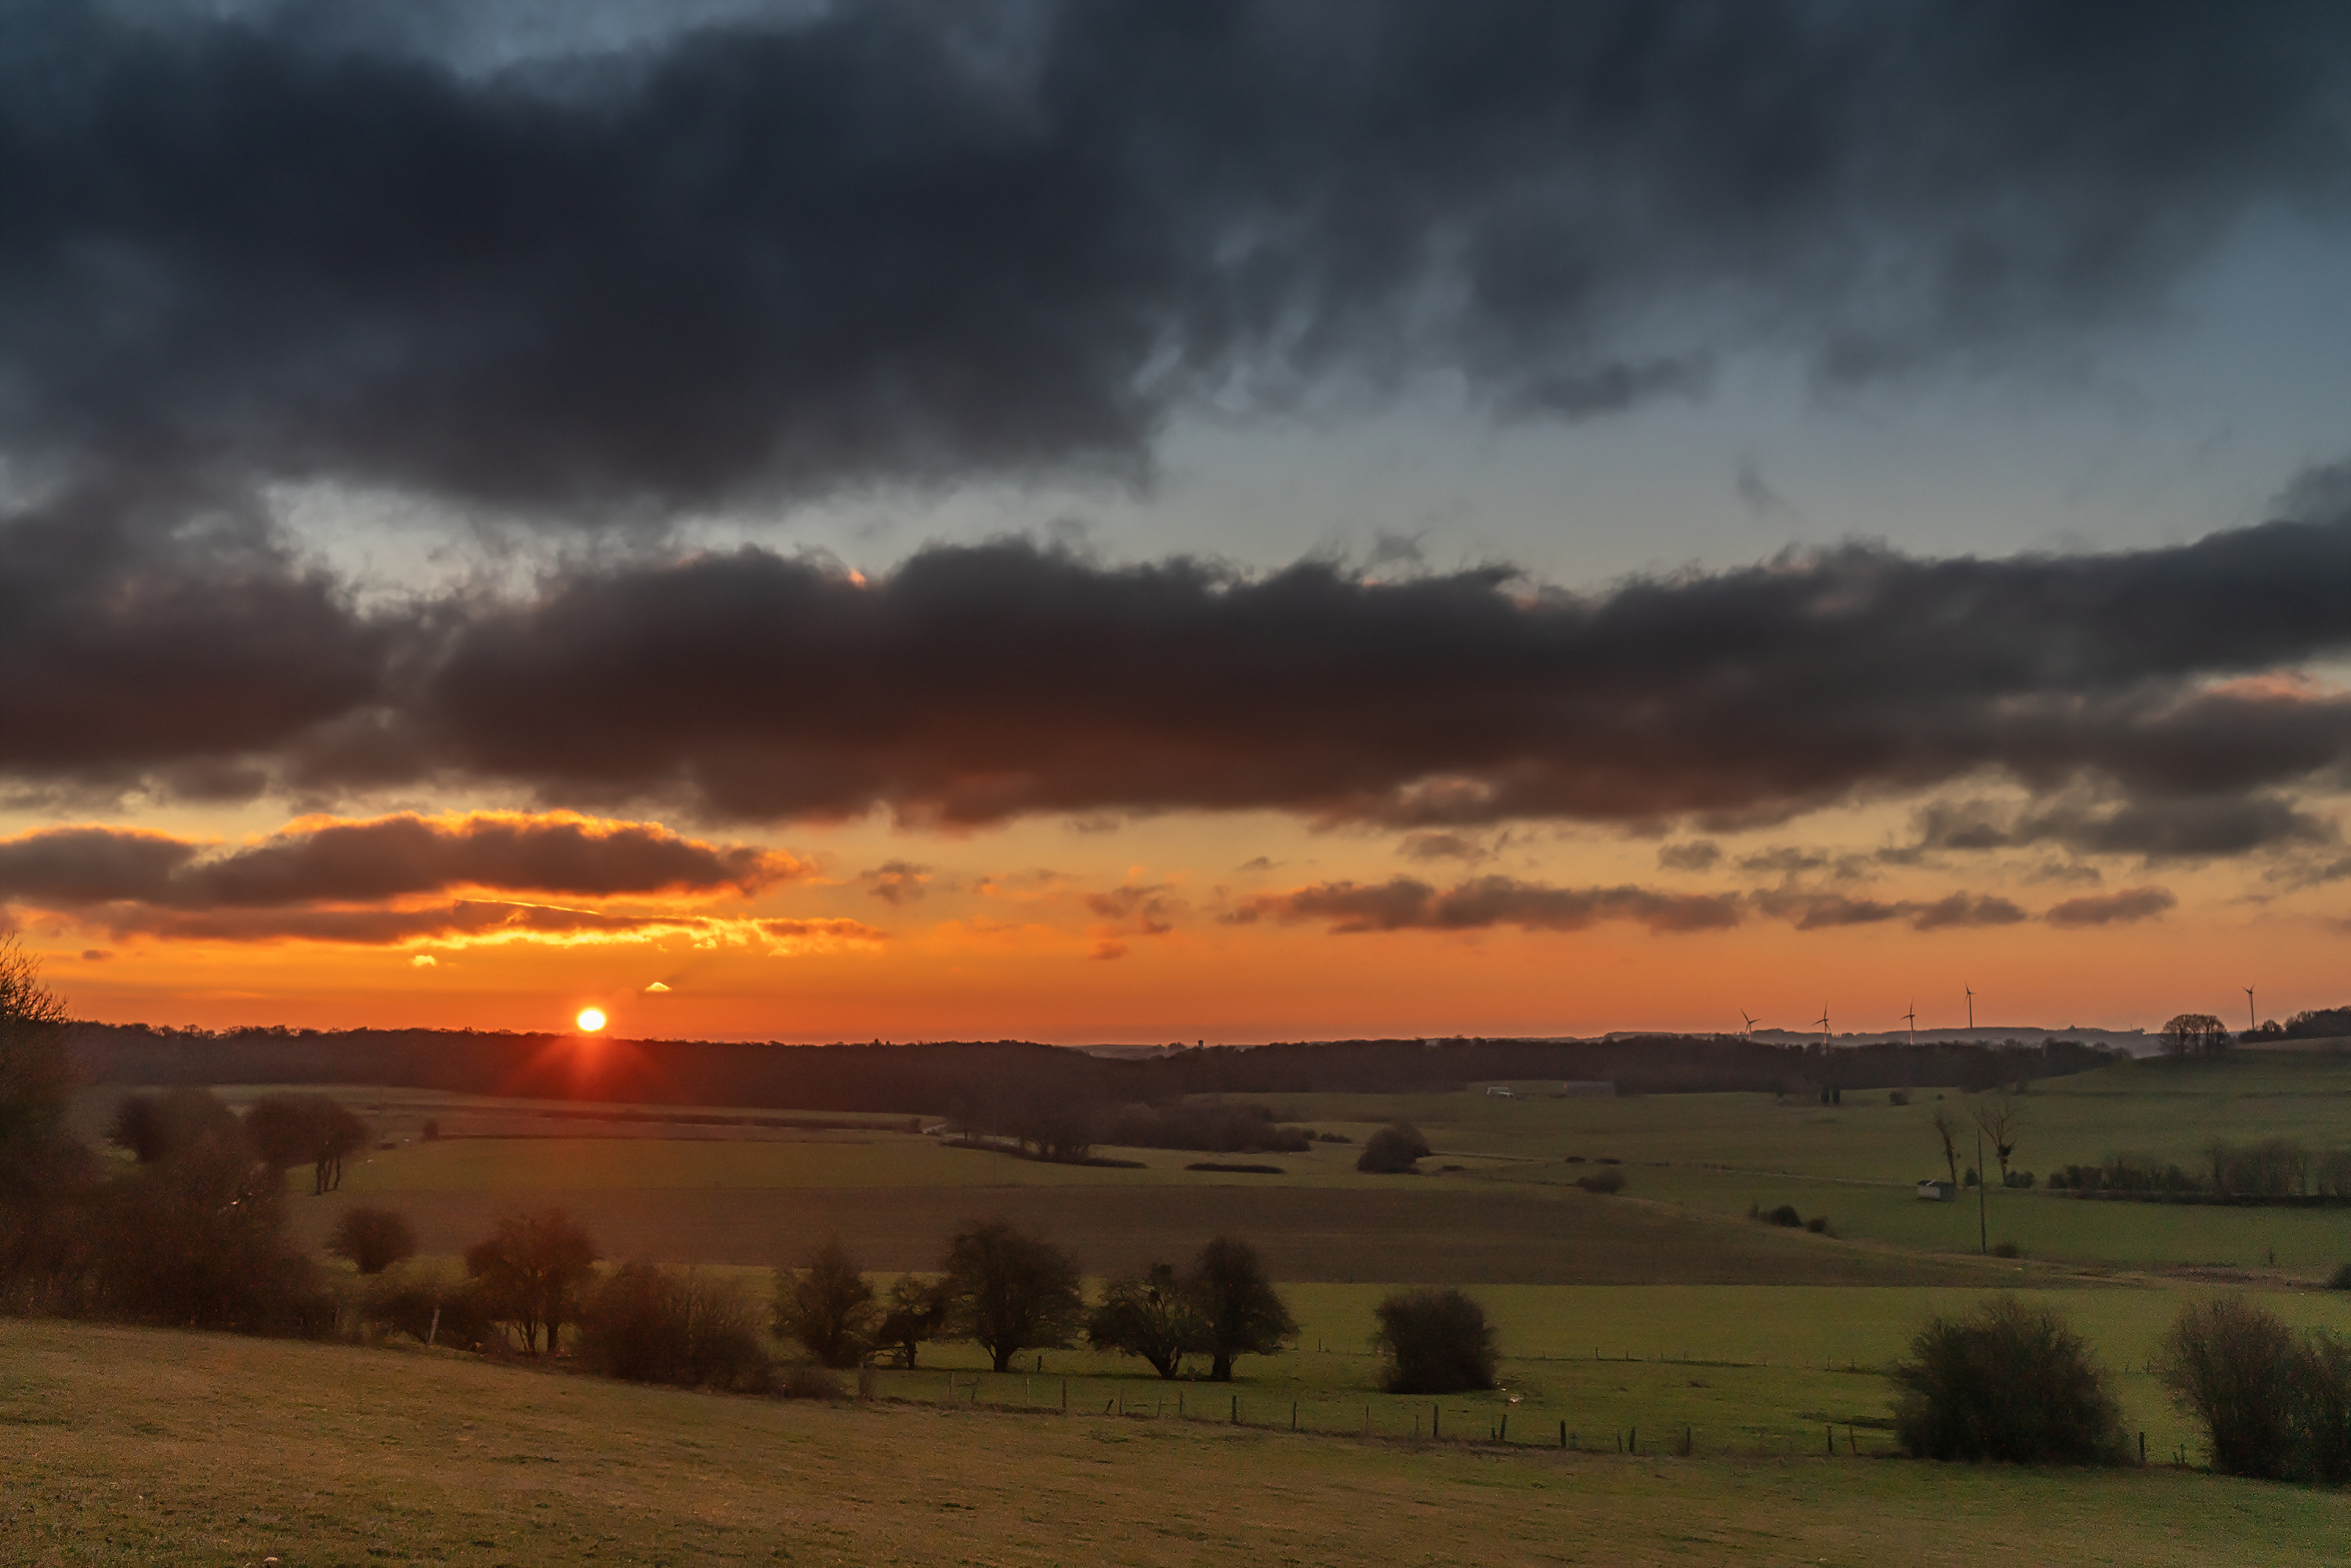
{"points": [[2006, 1382], [373, 1239], [1395, 1149], [1435, 1342]]}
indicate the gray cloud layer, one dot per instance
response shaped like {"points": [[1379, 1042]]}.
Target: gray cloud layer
{"points": [[898, 241], [981, 682], [1405, 904]]}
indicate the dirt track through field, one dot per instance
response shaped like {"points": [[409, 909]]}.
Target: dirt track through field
{"points": [[1488, 1235]]}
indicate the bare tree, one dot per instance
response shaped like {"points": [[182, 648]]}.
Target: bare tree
{"points": [[288, 1130], [828, 1306], [46, 1173], [1947, 1127], [532, 1270], [2000, 1118]]}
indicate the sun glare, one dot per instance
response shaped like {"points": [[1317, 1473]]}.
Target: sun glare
{"points": [[591, 1020]]}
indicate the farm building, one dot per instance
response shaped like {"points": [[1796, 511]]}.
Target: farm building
{"points": [[1937, 1191]]}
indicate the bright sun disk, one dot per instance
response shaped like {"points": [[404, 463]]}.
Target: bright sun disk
{"points": [[591, 1020]]}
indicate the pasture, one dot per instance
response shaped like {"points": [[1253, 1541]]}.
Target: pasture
{"points": [[707, 1191], [1746, 1369], [131, 1446]]}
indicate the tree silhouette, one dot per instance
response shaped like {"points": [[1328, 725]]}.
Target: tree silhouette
{"points": [[1149, 1315], [1241, 1312], [1008, 1291], [827, 1306], [531, 1269]]}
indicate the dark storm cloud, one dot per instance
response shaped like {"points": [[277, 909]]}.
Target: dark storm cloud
{"points": [[902, 242], [145, 633], [386, 858], [2145, 702], [977, 683]]}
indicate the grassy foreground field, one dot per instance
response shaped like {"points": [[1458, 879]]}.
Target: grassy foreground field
{"points": [[1743, 1369], [137, 1446]]}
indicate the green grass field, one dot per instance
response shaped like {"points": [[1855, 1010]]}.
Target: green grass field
{"points": [[1748, 1369], [138, 1447], [1694, 1165]]}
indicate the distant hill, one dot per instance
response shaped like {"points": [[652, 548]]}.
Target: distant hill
{"points": [[948, 1076], [2129, 1042]]}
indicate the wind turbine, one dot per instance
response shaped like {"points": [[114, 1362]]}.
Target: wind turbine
{"points": [[2250, 1025], [1912, 1017], [1750, 1022], [1971, 1007], [1824, 1026]]}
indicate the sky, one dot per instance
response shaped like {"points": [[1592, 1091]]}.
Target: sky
{"points": [[1235, 521]]}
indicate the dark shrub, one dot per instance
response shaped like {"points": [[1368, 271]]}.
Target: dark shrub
{"points": [[155, 1126], [2007, 1250], [197, 1240], [373, 1239], [915, 1312], [828, 1306], [1395, 1149], [2272, 1405], [48, 1177], [1819, 1226], [1434, 1341], [432, 1308], [1785, 1215], [805, 1382], [2006, 1382], [1603, 1182], [2340, 1279], [1898, 1097], [648, 1324]]}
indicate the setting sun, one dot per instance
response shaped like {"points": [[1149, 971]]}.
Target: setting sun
{"points": [[591, 1020]]}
